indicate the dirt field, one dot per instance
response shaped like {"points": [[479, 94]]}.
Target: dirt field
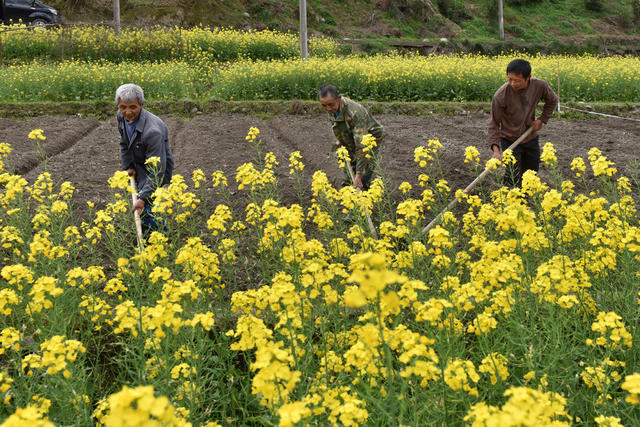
{"points": [[85, 151]]}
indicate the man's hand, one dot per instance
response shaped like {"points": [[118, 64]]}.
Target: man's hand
{"points": [[357, 181], [536, 125], [496, 153], [139, 206], [131, 172]]}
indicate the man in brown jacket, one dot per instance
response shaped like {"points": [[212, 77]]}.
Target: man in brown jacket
{"points": [[513, 111]]}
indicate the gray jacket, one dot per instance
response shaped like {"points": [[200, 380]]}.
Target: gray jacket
{"points": [[151, 138]]}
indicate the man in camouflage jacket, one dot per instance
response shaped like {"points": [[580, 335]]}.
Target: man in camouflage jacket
{"points": [[351, 122]]}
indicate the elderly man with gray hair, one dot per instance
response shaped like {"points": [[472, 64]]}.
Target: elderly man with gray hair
{"points": [[143, 135]]}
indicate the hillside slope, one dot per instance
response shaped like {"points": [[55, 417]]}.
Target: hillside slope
{"points": [[542, 21]]}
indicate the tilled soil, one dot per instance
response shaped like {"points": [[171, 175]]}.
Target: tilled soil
{"points": [[86, 152]]}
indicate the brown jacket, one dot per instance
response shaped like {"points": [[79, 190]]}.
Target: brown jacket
{"points": [[513, 111]]}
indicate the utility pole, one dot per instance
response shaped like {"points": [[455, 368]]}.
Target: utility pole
{"points": [[116, 17], [501, 19], [304, 54]]}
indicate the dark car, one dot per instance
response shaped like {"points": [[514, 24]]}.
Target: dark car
{"points": [[28, 11]]}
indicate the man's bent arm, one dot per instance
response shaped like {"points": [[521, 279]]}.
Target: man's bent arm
{"points": [[359, 131], [155, 148], [126, 157], [550, 103], [495, 119]]}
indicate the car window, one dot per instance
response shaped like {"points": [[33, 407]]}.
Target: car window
{"points": [[18, 2]]}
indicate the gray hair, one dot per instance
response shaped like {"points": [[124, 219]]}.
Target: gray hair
{"points": [[327, 90], [129, 92]]}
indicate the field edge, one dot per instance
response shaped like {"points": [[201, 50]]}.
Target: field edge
{"points": [[268, 109]]}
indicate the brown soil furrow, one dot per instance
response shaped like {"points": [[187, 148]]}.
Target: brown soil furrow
{"points": [[87, 163], [61, 134], [213, 142], [176, 126], [312, 136], [88, 153]]}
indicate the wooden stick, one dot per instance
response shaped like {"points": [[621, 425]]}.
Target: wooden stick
{"points": [[136, 215], [372, 229], [474, 182]]}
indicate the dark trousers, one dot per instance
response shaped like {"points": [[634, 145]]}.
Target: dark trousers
{"points": [[527, 156], [367, 177], [150, 222]]}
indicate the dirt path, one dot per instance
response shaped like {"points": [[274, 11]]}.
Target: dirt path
{"points": [[85, 151]]}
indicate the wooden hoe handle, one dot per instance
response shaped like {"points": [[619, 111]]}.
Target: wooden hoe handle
{"points": [[136, 215], [474, 182], [372, 229]]}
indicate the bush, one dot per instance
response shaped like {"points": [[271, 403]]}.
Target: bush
{"points": [[329, 19], [454, 10], [491, 10], [516, 30], [594, 5], [635, 7]]}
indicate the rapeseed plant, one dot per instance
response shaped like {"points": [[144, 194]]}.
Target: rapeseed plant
{"points": [[518, 308], [177, 63], [98, 42], [420, 78]]}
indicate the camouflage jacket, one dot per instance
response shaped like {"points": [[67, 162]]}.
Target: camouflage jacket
{"points": [[353, 122]]}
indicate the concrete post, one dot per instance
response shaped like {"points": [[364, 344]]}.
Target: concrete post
{"points": [[304, 54]]}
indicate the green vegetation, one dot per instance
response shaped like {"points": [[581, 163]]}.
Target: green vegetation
{"points": [[378, 78], [520, 306], [78, 81], [560, 21], [553, 20], [195, 45], [434, 78]]}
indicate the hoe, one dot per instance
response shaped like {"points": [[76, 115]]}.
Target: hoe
{"points": [[474, 182]]}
